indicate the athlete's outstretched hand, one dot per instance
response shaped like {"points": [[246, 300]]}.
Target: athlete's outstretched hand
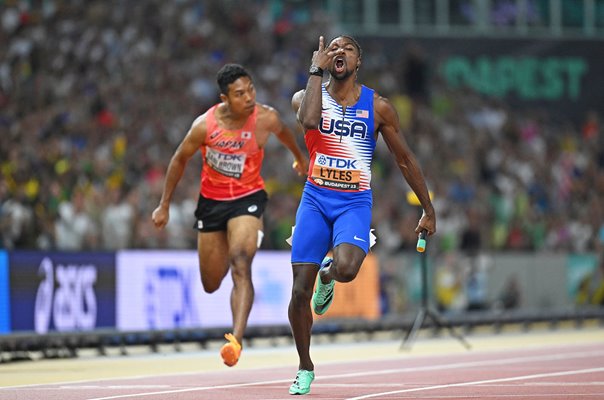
{"points": [[301, 167], [160, 216], [323, 57], [426, 223]]}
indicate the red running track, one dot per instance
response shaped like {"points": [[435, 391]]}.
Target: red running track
{"points": [[545, 373]]}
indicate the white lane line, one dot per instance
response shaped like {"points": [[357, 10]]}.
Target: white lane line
{"points": [[120, 387], [50, 385], [195, 389], [475, 383], [469, 364], [594, 383], [546, 396]]}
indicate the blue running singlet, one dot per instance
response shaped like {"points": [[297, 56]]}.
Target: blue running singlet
{"points": [[336, 203]]}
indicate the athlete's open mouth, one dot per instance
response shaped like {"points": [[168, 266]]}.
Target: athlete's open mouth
{"points": [[339, 64]]}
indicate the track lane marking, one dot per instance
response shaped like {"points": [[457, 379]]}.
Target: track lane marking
{"points": [[440, 357], [468, 364], [485, 381]]}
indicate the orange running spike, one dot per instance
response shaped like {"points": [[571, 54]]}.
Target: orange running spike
{"points": [[231, 351]]}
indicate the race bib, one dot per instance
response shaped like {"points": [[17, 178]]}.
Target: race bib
{"points": [[336, 172], [227, 164]]}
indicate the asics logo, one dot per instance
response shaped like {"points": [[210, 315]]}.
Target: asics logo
{"points": [[355, 237]]}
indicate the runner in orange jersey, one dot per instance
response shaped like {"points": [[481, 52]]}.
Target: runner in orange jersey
{"points": [[231, 136]]}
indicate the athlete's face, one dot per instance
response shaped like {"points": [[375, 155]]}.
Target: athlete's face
{"points": [[346, 61], [241, 97]]}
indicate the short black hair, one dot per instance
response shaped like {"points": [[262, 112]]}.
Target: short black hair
{"points": [[353, 40], [228, 74]]}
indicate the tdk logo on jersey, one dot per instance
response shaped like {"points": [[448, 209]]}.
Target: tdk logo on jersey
{"points": [[335, 162], [230, 157], [343, 127]]}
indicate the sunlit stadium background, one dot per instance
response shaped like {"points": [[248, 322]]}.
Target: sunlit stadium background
{"points": [[500, 100]]}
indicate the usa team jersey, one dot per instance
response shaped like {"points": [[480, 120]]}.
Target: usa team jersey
{"points": [[341, 150], [232, 160]]}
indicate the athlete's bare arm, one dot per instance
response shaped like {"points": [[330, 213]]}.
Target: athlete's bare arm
{"points": [[387, 122], [271, 122], [187, 148], [296, 100], [309, 110], [286, 136]]}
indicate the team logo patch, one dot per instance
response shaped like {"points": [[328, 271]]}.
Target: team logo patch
{"points": [[341, 127], [246, 135], [252, 208]]}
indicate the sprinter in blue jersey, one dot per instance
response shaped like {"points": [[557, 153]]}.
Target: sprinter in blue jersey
{"points": [[341, 120]]}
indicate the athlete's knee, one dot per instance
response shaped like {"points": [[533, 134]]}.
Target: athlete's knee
{"points": [[300, 296], [210, 285], [345, 272], [241, 259]]}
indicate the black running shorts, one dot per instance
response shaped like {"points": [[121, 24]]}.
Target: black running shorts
{"points": [[213, 215]]}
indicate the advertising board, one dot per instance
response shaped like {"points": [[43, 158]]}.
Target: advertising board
{"points": [[4, 294], [162, 290], [61, 291]]}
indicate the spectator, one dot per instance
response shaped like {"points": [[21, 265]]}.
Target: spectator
{"points": [[75, 229], [90, 99]]}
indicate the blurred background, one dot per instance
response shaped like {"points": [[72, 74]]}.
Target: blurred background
{"points": [[500, 100]]}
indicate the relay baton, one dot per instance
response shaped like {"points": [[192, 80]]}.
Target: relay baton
{"points": [[421, 242]]}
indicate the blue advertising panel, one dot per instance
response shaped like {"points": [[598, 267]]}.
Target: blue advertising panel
{"points": [[162, 290], [62, 291], [4, 303]]}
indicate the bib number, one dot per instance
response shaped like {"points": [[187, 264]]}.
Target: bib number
{"points": [[336, 172], [227, 164]]}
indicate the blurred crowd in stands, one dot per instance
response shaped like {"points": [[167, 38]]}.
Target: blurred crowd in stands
{"points": [[95, 95]]}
